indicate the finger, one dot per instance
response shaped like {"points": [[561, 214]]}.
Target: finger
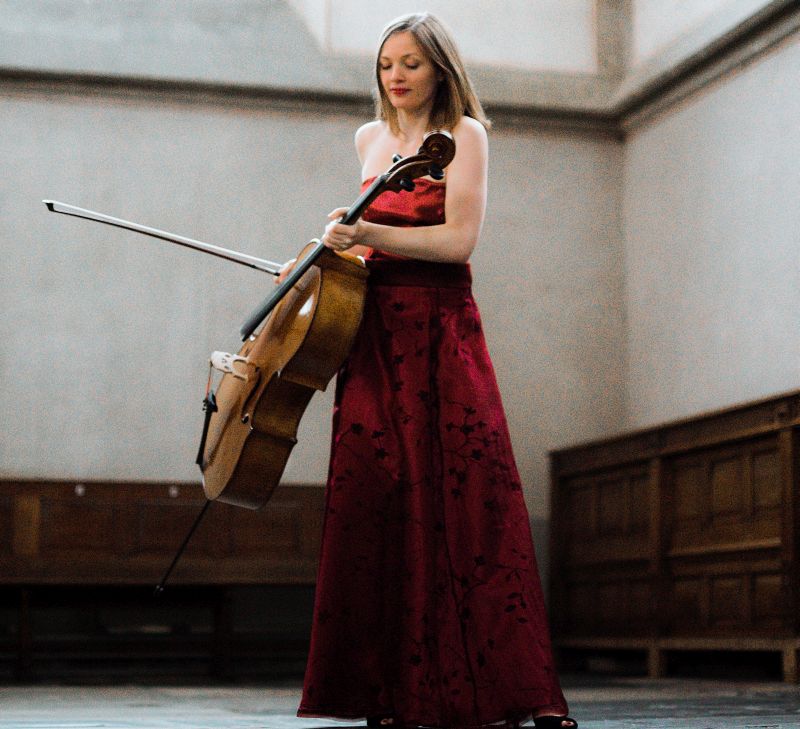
{"points": [[336, 243], [340, 229], [286, 269]]}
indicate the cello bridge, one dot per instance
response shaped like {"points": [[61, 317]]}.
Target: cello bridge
{"points": [[226, 362]]}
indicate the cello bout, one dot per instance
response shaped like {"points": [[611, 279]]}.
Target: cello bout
{"points": [[296, 353]]}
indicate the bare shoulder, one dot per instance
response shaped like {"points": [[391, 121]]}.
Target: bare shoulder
{"points": [[472, 148], [366, 135], [470, 132]]}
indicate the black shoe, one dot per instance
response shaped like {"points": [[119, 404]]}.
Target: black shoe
{"points": [[555, 722], [387, 720]]}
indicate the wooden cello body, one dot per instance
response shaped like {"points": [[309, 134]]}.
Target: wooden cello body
{"points": [[302, 345]]}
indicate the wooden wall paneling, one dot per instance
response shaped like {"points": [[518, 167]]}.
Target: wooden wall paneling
{"points": [[608, 518], [604, 553], [7, 520], [737, 422], [771, 603], [79, 560], [726, 497], [559, 600], [790, 557], [659, 519], [716, 556], [791, 573], [106, 533], [26, 528]]}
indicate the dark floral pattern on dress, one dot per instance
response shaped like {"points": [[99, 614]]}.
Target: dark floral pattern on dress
{"points": [[428, 602]]}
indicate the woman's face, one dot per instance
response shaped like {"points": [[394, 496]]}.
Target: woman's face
{"points": [[407, 75]]}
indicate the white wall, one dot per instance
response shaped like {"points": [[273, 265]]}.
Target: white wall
{"points": [[657, 25], [712, 246], [549, 281], [244, 42], [527, 34]]}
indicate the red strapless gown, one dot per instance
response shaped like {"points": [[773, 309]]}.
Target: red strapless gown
{"points": [[428, 603]]}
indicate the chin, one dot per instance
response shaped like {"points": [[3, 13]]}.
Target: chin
{"points": [[405, 105]]}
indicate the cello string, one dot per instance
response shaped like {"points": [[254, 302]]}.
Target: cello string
{"points": [[210, 376]]}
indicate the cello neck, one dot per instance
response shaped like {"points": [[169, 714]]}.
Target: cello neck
{"points": [[350, 217], [264, 309], [359, 206]]}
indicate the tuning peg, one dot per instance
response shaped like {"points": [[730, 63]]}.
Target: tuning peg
{"points": [[396, 157], [406, 184], [436, 172]]}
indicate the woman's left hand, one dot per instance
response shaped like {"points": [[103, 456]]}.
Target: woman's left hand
{"points": [[340, 237]]}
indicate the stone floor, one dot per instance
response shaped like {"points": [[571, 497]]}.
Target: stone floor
{"points": [[596, 703]]}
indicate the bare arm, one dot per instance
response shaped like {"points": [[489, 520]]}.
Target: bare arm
{"points": [[454, 240]]}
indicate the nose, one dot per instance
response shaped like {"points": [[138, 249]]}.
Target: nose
{"points": [[396, 73]]}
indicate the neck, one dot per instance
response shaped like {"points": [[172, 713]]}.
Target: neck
{"points": [[413, 126]]}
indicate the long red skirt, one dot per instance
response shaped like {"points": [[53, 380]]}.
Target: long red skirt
{"points": [[428, 604]]}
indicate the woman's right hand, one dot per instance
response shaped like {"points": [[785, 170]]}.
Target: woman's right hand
{"points": [[286, 269]]}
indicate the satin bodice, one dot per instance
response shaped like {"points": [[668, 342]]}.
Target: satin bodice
{"points": [[424, 205]]}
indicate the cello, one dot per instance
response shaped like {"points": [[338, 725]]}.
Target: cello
{"points": [[251, 419]]}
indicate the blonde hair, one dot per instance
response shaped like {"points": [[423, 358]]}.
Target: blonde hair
{"points": [[455, 96]]}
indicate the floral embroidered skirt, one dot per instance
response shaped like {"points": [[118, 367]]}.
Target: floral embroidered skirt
{"points": [[428, 604]]}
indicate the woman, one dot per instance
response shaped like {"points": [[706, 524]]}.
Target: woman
{"points": [[428, 609]]}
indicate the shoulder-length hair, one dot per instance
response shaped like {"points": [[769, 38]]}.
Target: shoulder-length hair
{"points": [[455, 96]]}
